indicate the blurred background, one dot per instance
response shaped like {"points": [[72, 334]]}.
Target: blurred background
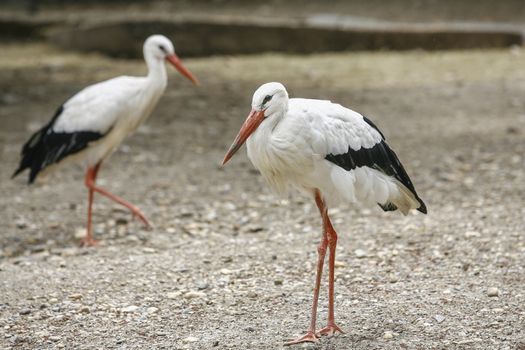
{"points": [[443, 79], [204, 28]]}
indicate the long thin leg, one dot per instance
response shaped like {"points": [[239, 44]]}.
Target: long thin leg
{"points": [[91, 176], [90, 184], [310, 335], [331, 327]]}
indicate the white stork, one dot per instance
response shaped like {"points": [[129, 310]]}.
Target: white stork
{"points": [[330, 153], [90, 125]]}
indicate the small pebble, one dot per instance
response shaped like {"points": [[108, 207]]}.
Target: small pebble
{"points": [[130, 309], [202, 286], [75, 296], [173, 295], [493, 292], [40, 334], [80, 232], [388, 335], [152, 310], [25, 312], [470, 234], [84, 310], [360, 253], [191, 339], [393, 278], [194, 295], [339, 264], [439, 318]]}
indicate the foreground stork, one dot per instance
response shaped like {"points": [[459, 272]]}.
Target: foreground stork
{"points": [[90, 125], [329, 152]]}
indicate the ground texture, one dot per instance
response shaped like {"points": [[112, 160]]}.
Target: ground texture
{"points": [[231, 266]]}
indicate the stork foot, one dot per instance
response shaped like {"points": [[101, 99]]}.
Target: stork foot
{"points": [[309, 337], [329, 330], [88, 242], [136, 213]]}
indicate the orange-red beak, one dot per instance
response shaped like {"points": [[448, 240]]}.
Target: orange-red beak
{"points": [[176, 62], [251, 123]]}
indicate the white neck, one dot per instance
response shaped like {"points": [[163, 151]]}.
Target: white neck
{"points": [[273, 120], [264, 131], [157, 75], [262, 151]]}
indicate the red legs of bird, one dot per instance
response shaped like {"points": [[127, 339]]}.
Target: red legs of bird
{"points": [[90, 179], [91, 175], [331, 328], [329, 239], [310, 335]]}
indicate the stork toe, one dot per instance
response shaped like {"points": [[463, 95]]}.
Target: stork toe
{"points": [[329, 330], [88, 242], [138, 214], [309, 337]]}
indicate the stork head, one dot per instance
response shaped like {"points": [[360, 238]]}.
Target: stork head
{"points": [[269, 101], [159, 48]]}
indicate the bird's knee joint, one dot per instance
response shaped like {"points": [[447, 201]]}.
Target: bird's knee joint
{"points": [[89, 183], [332, 239]]}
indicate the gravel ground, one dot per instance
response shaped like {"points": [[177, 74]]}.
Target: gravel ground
{"points": [[229, 265]]}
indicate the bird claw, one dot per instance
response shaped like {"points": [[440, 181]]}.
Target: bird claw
{"points": [[88, 242], [136, 213], [329, 330], [308, 337]]}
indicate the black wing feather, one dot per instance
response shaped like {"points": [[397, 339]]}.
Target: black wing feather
{"points": [[46, 147], [380, 157]]}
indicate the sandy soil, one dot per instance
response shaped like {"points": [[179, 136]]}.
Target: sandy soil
{"points": [[228, 264]]}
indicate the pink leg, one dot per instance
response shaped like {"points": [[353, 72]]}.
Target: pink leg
{"points": [[90, 179], [91, 176], [310, 335], [331, 327]]}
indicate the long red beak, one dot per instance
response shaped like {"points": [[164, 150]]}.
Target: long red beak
{"points": [[251, 123], [176, 62]]}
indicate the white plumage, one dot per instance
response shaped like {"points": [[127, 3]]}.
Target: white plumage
{"points": [[290, 146], [330, 153], [113, 108], [90, 125]]}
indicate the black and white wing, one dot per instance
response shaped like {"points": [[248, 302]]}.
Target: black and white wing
{"points": [[86, 117], [350, 141]]}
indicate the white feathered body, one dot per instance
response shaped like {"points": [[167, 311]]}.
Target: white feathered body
{"points": [[90, 125], [290, 151], [114, 107]]}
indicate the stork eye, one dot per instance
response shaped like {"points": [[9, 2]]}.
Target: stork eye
{"points": [[267, 98], [162, 48]]}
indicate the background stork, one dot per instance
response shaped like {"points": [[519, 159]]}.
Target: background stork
{"points": [[91, 124], [329, 152]]}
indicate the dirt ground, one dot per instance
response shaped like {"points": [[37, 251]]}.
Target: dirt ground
{"points": [[229, 265]]}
